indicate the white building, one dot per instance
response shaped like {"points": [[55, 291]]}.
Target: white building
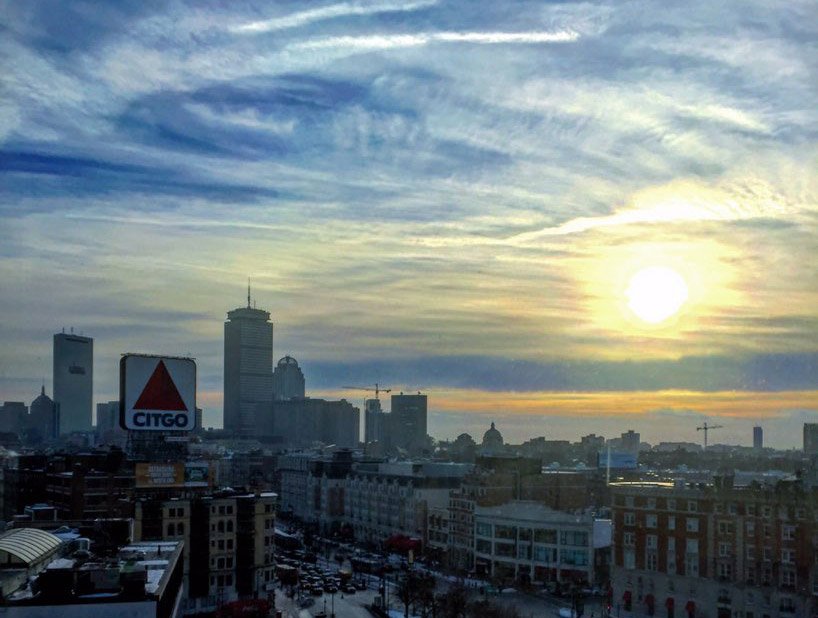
{"points": [[73, 381], [248, 367], [523, 540]]}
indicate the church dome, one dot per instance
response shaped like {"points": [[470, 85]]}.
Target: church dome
{"points": [[492, 437], [287, 360]]}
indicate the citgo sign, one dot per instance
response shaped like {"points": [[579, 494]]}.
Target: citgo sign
{"points": [[157, 393]]}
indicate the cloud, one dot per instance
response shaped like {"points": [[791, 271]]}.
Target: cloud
{"points": [[331, 11]]}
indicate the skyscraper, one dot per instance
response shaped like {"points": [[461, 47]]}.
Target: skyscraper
{"points": [[288, 380], [374, 421], [248, 366], [407, 422], [810, 438], [758, 438], [74, 381]]}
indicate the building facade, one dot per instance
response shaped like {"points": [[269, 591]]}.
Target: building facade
{"points": [[374, 421], [248, 368], [714, 551], [300, 423], [528, 542], [74, 381]]}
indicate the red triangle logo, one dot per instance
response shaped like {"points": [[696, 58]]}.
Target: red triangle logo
{"points": [[160, 392]]}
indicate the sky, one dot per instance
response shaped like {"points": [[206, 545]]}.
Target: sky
{"points": [[444, 196]]}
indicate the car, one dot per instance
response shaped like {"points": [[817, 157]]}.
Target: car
{"points": [[316, 591], [360, 585], [349, 589]]}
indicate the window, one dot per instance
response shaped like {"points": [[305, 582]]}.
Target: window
{"points": [[787, 604], [692, 524], [505, 532], [692, 546], [671, 544], [671, 563], [788, 533], [671, 504], [767, 531], [750, 509], [768, 554], [628, 539], [545, 536], [788, 556], [751, 552], [692, 565], [751, 528], [545, 554], [788, 577], [671, 522], [524, 552], [629, 559], [724, 550], [628, 500], [767, 512], [732, 509], [725, 527], [504, 549], [725, 570], [482, 546], [692, 507], [576, 538], [651, 521], [574, 557], [230, 525], [630, 519], [180, 528], [651, 541], [482, 529], [651, 504], [171, 530], [651, 561]]}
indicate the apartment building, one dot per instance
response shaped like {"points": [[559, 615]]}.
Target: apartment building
{"points": [[231, 541], [715, 550]]}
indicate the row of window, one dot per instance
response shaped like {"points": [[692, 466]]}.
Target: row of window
{"points": [[731, 508], [548, 555], [652, 521], [576, 538]]}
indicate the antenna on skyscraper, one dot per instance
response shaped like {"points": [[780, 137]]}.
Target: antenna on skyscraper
{"points": [[248, 292]]}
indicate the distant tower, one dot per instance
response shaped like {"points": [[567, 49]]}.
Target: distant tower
{"points": [[811, 438], [374, 421], [74, 381], [758, 438], [407, 426], [248, 366], [288, 380], [44, 417]]}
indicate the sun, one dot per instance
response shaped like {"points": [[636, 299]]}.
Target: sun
{"points": [[656, 294]]}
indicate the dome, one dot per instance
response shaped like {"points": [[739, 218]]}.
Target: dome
{"points": [[42, 398], [287, 360], [492, 437]]}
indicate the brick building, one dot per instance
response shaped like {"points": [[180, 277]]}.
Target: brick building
{"points": [[715, 550]]}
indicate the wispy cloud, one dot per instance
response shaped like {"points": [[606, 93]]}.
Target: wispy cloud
{"points": [[424, 38], [331, 11]]}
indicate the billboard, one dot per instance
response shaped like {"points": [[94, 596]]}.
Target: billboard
{"points": [[175, 474], [157, 393], [618, 461]]}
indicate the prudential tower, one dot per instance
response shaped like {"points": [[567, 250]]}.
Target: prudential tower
{"points": [[248, 367]]}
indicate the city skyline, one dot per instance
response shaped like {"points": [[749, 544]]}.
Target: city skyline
{"points": [[436, 196]]}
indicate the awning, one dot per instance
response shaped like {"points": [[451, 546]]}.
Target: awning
{"points": [[670, 603], [690, 607]]}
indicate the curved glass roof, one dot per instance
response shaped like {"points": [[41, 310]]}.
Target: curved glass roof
{"points": [[28, 544]]}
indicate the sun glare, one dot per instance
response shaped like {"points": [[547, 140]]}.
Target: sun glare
{"points": [[656, 294]]}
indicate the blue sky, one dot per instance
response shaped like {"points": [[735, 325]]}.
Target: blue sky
{"points": [[442, 195]]}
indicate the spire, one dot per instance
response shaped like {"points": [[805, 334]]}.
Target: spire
{"points": [[248, 292], [42, 389]]}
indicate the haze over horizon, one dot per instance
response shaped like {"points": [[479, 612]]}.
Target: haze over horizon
{"points": [[445, 196]]}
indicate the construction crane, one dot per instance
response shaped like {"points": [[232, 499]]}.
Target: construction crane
{"points": [[705, 428], [377, 389]]}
